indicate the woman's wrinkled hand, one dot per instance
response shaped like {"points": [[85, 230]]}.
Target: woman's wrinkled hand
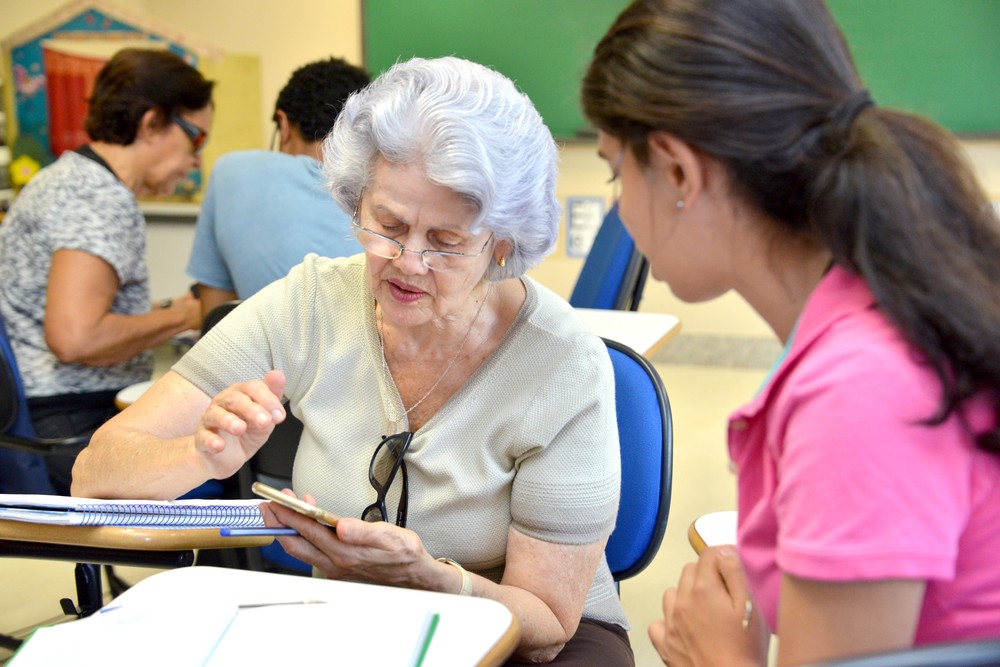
{"points": [[357, 550], [238, 421], [709, 618]]}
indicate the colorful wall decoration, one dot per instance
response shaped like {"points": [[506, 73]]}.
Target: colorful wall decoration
{"points": [[52, 65]]}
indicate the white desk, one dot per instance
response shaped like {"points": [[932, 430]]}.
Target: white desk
{"points": [[712, 529], [131, 394], [176, 617], [643, 332]]}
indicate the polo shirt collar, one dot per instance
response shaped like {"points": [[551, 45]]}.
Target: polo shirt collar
{"points": [[839, 294]]}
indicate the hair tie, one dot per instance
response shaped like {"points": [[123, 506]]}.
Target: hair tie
{"points": [[843, 114], [835, 132]]}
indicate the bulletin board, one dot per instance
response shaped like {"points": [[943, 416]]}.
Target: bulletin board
{"points": [[938, 58], [543, 45]]}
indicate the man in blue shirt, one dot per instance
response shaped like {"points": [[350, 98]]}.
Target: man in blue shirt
{"points": [[264, 211]]}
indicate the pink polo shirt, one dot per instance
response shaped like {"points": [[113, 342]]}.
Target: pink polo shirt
{"points": [[838, 480]]}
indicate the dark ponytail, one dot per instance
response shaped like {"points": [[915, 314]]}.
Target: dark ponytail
{"points": [[775, 97], [901, 208]]}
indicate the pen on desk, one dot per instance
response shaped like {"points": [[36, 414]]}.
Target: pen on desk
{"points": [[425, 643], [279, 603], [256, 532]]}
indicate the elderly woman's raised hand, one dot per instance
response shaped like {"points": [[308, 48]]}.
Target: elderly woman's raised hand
{"points": [[238, 421]]}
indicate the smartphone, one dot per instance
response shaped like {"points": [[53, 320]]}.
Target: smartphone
{"points": [[300, 506]]}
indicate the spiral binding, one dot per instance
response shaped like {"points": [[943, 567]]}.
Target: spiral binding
{"points": [[170, 516]]}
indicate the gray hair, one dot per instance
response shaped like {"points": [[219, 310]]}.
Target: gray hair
{"points": [[472, 131]]}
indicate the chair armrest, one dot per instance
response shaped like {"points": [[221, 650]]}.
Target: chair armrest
{"points": [[44, 446]]}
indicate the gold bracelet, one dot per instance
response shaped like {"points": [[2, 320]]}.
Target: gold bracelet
{"points": [[466, 579]]}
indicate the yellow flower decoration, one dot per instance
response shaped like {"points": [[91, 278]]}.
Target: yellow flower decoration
{"points": [[22, 169]]}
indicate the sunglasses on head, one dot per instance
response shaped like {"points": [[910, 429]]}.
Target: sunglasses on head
{"points": [[197, 135]]}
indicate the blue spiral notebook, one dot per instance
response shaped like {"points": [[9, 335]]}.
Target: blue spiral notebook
{"points": [[71, 511]]}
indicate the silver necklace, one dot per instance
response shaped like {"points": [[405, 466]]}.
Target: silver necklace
{"points": [[385, 365]]}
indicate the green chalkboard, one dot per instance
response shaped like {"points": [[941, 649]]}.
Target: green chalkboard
{"points": [[938, 58], [543, 45]]}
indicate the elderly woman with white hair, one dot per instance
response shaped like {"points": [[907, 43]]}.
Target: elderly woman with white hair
{"points": [[457, 408]]}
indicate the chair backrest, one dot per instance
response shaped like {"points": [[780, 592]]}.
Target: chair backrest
{"points": [[645, 433], [14, 416], [22, 464], [984, 653], [216, 314], [614, 274], [272, 464]]}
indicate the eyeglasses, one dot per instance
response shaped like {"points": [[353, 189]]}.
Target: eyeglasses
{"points": [[387, 248], [386, 462], [197, 135]]}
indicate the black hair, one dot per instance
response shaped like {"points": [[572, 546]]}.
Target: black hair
{"points": [[314, 96]]}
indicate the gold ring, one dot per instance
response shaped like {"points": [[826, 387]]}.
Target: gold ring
{"points": [[747, 612]]}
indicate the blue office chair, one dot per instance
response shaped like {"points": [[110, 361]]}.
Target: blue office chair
{"points": [[614, 274], [645, 433], [22, 452], [272, 464], [984, 653]]}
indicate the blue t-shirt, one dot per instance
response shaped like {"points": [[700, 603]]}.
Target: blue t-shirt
{"points": [[262, 213]]}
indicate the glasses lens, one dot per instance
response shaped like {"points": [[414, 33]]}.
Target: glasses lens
{"points": [[373, 513], [387, 457], [386, 466], [443, 263], [452, 261], [377, 244], [195, 134]]}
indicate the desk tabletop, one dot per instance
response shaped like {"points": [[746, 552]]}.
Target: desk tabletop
{"points": [[271, 619], [131, 393], [119, 537], [643, 332], [712, 529]]}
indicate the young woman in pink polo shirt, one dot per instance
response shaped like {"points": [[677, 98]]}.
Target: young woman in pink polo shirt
{"points": [[752, 158]]}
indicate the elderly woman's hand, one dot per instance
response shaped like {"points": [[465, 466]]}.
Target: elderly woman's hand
{"points": [[238, 421], [377, 552], [708, 619]]}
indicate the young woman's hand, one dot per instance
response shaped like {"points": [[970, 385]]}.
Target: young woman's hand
{"points": [[709, 618]]}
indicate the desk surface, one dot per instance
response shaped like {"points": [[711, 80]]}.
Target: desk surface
{"points": [[643, 332], [119, 537], [236, 617], [712, 529]]}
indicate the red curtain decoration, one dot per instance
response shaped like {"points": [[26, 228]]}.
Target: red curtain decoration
{"points": [[70, 79]]}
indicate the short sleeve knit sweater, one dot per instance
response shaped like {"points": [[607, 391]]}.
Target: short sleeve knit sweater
{"points": [[529, 441]]}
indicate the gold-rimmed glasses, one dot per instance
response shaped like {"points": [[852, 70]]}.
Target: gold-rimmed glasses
{"points": [[387, 248]]}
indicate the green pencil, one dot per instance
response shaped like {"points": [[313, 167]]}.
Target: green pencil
{"points": [[428, 635]]}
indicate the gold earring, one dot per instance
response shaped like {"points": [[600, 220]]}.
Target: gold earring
{"points": [[502, 261]]}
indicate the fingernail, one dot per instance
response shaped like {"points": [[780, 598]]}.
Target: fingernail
{"points": [[277, 414], [726, 552], [262, 418]]}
